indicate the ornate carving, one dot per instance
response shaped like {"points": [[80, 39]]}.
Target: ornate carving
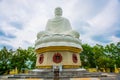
{"points": [[57, 58], [41, 58], [74, 58]]}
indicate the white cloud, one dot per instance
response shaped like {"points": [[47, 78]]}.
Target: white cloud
{"points": [[33, 15], [32, 22], [102, 22], [114, 39]]}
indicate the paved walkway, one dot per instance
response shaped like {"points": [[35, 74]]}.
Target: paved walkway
{"points": [[84, 79], [70, 79]]}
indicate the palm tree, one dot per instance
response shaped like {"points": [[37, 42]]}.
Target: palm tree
{"points": [[4, 60]]}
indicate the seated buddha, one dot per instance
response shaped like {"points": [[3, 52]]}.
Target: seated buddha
{"points": [[58, 25]]}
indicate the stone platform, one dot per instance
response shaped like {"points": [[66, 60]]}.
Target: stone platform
{"points": [[65, 74], [109, 76]]}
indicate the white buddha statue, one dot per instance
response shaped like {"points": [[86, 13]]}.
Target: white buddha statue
{"points": [[58, 25]]}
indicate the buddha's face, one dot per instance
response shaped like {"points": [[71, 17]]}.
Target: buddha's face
{"points": [[58, 11]]}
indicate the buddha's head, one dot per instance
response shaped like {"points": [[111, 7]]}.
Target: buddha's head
{"points": [[58, 11]]}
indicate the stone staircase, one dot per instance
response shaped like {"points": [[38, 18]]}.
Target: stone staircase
{"points": [[65, 74]]}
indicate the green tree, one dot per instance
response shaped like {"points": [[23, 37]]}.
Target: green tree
{"points": [[111, 52], [118, 55], [18, 59], [87, 56], [23, 59], [31, 60], [4, 60], [98, 51]]}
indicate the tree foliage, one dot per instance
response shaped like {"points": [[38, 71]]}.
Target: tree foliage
{"points": [[21, 59], [98, 56]]}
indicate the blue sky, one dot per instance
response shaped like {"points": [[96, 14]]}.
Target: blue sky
{"points": [[97, 21]]}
